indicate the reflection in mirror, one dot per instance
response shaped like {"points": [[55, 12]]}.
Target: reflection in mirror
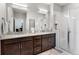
{"points": [[19, 19], [32, 25], [28, 17], [16, 18], [18, 25]]}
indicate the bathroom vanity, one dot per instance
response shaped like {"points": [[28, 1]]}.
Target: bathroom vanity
{"points": [[27, 44], [25, 30]]}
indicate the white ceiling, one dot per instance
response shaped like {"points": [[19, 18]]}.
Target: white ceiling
{"points": [[62, 4]]}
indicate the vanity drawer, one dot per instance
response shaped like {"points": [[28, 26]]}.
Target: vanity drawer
{"points": [[51, 35], [37, 37], [45, 36], [25, 39], [37, 40], [9, 41]]}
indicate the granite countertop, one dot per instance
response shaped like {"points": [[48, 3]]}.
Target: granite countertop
{"points": [[10, 36]]}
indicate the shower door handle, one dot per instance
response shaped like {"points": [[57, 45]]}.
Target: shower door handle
{"points": [[68, 37]]}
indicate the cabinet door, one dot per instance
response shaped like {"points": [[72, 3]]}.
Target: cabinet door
{"points": [[37, 41], [45, 43], [27, 47], [37, 44], [52, 41], [11, 49]]}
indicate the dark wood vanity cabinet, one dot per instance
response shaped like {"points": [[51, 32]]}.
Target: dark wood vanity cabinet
{"points": [[37, 44], [48, 42], [21, 46], [45, 43], [27, 45], [51, 41], [11, 49]]}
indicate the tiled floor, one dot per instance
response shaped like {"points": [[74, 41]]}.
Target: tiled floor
{"points": [[54, 52]]}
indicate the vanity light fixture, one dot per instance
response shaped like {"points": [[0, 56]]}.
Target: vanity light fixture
{"points": [[43, 11], [20, 4]]}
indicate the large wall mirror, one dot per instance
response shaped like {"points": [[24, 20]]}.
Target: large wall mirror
{"points": [[26, 18], [31, 25], [16, 18]]}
